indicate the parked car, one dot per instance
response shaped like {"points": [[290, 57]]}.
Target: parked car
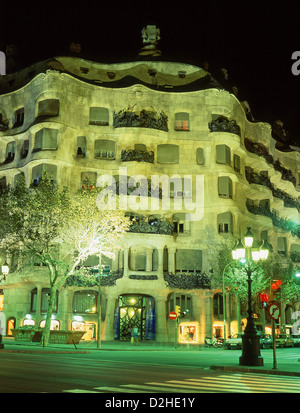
{"points": [[234, 342], [266, 341], [284, 340], [296, 339]]}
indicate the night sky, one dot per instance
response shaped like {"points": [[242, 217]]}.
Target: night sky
{"points": [[253, 40]]}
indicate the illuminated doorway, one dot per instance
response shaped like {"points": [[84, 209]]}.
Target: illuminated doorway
{"points": [[11, 324], [135, 311]]}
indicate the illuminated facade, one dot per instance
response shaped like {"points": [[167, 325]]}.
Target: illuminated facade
{"points": [[76, 119]]}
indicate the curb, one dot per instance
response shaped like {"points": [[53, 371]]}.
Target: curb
{"points": [[44, 351], [258, 370]]}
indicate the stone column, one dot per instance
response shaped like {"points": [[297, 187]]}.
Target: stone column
{"points": [[160, 267], [108, 331], [161, 334], [208, 315], [149, 259], [126, 252], [171, 259]]}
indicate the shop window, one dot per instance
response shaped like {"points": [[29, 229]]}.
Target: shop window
{"points": [[54, 325], [10, 152], [167, 153], [223, 154], [236, 163], [99, 116], [105, 149], [85, 302], [225, 187], [81, 146], [19, 117], [225, 223], [182, 121], [46, 139], [200, 156], [39, 171], [48, 107], [11, 324]]}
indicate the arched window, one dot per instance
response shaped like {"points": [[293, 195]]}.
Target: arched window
{"points": [[85, 302], [218, 304]]}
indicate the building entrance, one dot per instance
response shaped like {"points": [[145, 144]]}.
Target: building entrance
{"points": [[135, 311]]}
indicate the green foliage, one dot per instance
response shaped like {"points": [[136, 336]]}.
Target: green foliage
{"points": [[61, 230], [235, 277]]}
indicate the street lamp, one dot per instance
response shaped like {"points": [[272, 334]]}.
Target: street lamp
{"points": [[250, 341], [99, 302], [5, 271]]}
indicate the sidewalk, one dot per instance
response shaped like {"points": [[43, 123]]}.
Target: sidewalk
{"points": [[286, 366]]}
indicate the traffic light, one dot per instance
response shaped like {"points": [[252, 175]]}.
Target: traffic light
{"points": [[264, 299], [276, 290], [177, 310]]}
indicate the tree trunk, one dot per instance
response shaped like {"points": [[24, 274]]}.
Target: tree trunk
{"points": [[51, 303]]}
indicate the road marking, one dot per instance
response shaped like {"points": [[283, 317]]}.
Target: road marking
{"points": [[231, 383], [80, 391], [119, 389]]}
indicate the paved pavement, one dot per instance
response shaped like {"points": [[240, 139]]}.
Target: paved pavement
{"points": [[287, 365]]}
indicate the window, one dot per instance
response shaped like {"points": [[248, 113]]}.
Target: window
{"points": [[10, 151], [181, 224], [200, 156], [225, 223], [223, 155], [236, 163], [48, 107], [81, 146], [45, 139], [188, 260], [105, 149], [19, 117], [18, 177], [2, 183], [85, 302], [184, 301], [39, 170], [24, 149], [168, 153], [218, 304], [225, 187], [88, 177], [99, 116], [33, 300], [45, 295], [182, 121], [281, 246]]}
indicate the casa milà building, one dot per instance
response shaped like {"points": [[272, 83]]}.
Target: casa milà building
{"points": [[74, 119]]}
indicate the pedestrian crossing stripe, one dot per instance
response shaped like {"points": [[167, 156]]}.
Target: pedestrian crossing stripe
{"points": [[233, 383]]}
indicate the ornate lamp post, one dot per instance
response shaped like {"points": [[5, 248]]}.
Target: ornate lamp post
{"points": [[5, 271], [250, 341]]}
